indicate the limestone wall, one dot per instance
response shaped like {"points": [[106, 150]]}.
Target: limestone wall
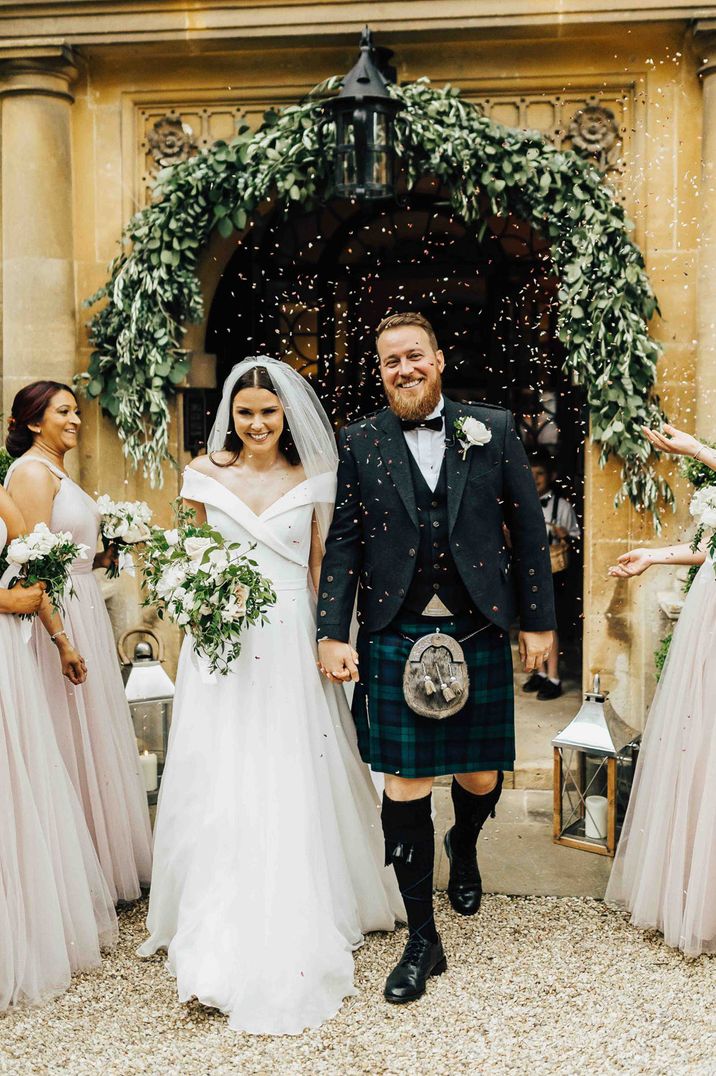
{"points": [[649, 72]]}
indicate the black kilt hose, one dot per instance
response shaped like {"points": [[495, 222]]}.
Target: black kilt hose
{"points": [[394, 739]]}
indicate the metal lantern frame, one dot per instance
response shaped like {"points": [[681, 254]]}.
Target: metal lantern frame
{"points": [[147, 684], [363, 113], [596, 740]]}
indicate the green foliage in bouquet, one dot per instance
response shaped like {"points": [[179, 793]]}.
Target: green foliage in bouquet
{"points": [[696, 472], [209, 587], [605, 298]]}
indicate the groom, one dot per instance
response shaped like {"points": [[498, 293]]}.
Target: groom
{"points": [[422, 508]]}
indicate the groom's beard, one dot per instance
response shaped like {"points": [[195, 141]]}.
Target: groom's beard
{"points": [[416, 405]]}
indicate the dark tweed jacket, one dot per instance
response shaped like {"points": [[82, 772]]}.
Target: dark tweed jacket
{"points": [[373, 540]]}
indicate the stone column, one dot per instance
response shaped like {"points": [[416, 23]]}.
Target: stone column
{"points": [[705, 38], [38, 293]]}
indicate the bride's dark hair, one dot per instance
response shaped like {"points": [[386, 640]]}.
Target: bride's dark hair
{"points": [[256, 378]]}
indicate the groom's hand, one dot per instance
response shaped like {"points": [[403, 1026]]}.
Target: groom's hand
{"points": [[535, 648], [337, 661]]}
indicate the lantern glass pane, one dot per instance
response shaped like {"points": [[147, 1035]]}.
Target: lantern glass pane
{"points": [[582, 775], [346, 169], [378, 129], [151, 721], [345, 131], [379, 175]]}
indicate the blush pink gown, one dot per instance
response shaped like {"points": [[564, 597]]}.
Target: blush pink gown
{"points": [[664, 872], [92, 722], [55, 908]]}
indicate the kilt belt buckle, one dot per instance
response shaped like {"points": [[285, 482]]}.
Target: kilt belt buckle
{"points": [[435, 678]]}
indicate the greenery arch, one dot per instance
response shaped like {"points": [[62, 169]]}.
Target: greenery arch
{"points": [[605, 296]]}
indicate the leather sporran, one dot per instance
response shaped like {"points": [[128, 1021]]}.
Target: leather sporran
{"points": [[559, 555], [435, 679]]}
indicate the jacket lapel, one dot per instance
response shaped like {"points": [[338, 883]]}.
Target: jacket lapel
{"points": [[456, 468], [394, 452]]}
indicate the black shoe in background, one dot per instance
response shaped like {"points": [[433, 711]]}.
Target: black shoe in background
{"points": [[549, 690], [419, 961], [534, 683]]}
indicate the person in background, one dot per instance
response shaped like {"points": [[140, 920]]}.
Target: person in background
{"points": [[563, 530]]}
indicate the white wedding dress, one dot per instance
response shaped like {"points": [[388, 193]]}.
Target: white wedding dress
{"points": [[268, 863]]}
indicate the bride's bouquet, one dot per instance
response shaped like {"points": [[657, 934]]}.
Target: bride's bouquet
{"points": [[703, 509], [206, 585], [123, 523], [44, 556]]}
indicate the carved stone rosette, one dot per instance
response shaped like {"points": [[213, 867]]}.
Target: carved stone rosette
{"points": [[170, 140], [594, 134]]}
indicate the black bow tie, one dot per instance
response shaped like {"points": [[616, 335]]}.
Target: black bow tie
{"points": [[422, 423], [545, 500]]}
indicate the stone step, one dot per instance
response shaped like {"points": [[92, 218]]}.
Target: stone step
{"points": [[516, 852]]}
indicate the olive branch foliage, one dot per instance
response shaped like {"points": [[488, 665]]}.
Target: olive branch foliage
{"points": [[605, 298]]}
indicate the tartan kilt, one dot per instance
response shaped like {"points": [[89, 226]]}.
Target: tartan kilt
{"points": [[394, 739]]}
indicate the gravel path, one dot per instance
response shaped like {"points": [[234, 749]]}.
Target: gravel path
{"points": [[535, 985]]}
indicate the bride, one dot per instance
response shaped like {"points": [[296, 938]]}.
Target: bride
{"points": [[268, 863], [664, 872]]}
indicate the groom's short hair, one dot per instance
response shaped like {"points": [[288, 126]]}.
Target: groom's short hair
{"points": [[395, 321]]}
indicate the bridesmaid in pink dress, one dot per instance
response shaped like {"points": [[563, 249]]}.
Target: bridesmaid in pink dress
{"points": [[55, 907], [92, 721], [664, 872]]}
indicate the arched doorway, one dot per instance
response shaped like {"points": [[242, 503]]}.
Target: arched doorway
{"points": [[311, 288]]}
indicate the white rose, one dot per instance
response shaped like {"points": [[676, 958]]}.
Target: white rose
{"points": [[196, 547], [241, 593], [708, 518], [19, 552], [136, 532], [475, 432], [182, 619], [172, 536], [105, 504]]}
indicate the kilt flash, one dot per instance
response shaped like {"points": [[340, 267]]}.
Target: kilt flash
{"points": [[394, 739]]}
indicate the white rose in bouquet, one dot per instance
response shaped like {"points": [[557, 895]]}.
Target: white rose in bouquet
{"points": [[195, 547], [171, 536], [19, 552], [123, 523]]}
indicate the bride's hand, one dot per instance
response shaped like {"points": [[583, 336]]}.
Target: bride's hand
{"points": [[632, 563], [337, 661], [672, 440]]}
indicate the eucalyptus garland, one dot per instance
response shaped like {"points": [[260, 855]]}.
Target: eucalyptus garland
{"points": [[605, 298]]}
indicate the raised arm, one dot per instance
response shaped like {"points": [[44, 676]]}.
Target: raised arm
{"points": [[637, 561], [679, 443]]}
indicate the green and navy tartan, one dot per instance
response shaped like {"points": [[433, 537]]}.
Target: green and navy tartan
{"points": [[394, 739]]}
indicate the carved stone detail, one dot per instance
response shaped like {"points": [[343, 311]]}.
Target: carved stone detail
{"points": [[594, 133], [170, 140]]}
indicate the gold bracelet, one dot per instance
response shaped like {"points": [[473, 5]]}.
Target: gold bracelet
{"points": [[697, 455]]}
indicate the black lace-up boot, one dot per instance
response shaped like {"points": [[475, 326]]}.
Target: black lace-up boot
{"points": [[410, 847], [471, 813]]}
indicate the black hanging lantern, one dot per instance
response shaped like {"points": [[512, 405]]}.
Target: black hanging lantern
{"points": [[363, 113]]}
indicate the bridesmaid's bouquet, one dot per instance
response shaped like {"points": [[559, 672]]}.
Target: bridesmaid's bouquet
{"points": [[123, 523], [206, 585], [703, 509], [44, 556]]}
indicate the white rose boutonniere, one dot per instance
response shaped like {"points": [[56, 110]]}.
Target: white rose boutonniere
{"points": [[471, 432]]}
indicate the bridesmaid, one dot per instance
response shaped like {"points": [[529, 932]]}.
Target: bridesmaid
{"points": [[664, 872], [92, 722], [55, 908]]}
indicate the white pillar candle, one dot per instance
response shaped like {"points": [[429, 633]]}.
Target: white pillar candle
{"points": [[595, 818], [148, 762]]}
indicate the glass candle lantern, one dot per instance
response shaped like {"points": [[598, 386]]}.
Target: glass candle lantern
{"points": [[594, 761], [150, 694]]}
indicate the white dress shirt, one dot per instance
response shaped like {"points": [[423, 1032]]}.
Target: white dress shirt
{"points": [[428, 448], [566, 516]]}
